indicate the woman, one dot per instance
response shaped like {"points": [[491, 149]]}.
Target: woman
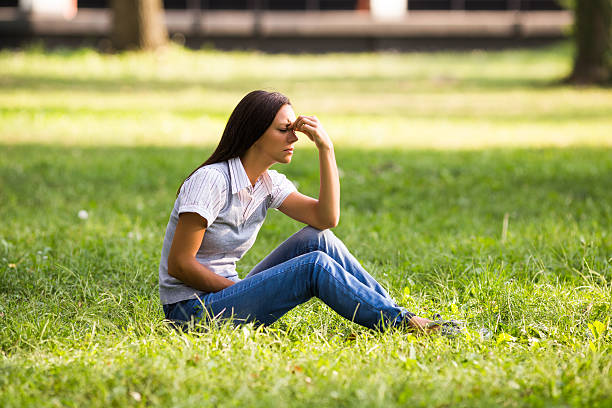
{"points": [[223, 203]]}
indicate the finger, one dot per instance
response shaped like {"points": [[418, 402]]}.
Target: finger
{"points": [[306, 129], [299, 126], [297, 122], [311, 119], [303, 118], [309, 130], [307, 121]]}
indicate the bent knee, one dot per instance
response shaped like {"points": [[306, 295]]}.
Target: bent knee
{"points": [[320, 258], [322, 236]]}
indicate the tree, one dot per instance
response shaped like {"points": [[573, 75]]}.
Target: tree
{"points": [[138, 24], [593, 39]]}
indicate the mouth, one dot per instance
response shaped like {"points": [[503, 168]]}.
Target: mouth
{"points": [[289, 150]]}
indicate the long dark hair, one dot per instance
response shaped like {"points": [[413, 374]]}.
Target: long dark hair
{"points": [[249, 120]]}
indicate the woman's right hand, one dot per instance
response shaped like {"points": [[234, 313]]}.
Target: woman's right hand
{"points": [[311, 127]]}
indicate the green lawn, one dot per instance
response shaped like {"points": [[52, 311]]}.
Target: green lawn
{"points": [[435, 151]]}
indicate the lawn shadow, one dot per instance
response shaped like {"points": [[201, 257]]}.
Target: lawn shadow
{"points": [[30, 82]]}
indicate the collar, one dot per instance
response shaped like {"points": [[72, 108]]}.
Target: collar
{"points": [[240, 180]]}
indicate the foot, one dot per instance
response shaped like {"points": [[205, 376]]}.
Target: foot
{"points": [[449, 328], [423, 326]]}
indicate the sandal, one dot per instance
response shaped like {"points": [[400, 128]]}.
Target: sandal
{"points": [[447, 328]]}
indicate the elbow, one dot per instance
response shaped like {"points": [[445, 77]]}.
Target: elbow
{"points": [[174, 268], [333, 223], [329, 223], [325, 218], [335, 219]]}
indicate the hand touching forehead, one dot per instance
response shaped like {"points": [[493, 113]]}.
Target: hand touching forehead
{"points": [[285, 116]]}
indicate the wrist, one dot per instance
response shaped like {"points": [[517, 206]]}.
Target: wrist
{"points": [[324, 148]]}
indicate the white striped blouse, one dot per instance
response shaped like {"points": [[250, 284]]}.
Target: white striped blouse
{"points": [[234, 210]]}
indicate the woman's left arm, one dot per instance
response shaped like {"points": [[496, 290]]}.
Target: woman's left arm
{"points": [[325, 212]]}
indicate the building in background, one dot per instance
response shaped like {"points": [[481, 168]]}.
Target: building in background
{"points": [[333, 4], [323, 25]]}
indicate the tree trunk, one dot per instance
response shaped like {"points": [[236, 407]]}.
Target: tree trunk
{"points": [[593, 38], [138, 24]]}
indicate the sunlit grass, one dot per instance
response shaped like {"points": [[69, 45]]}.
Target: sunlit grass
{"points": [[481, 223], [81, 323], [180, 97]]}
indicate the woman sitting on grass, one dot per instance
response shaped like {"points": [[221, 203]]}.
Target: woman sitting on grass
{"points": [[223, 203]]}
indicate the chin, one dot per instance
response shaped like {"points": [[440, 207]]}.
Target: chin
{"points": [[286, 159]]}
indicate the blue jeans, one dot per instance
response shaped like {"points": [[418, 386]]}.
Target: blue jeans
{"points": [[310, 263]]}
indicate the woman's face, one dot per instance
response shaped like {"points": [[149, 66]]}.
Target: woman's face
{"points": [[277, 141]]}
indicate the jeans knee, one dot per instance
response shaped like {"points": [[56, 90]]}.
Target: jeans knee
{"points": [[317, 258], [322, 238], [320, 263]]}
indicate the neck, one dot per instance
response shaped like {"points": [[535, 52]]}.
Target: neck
{"points": [[254, 165]]}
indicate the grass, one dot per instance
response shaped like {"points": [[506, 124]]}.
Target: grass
{"points": [[80, 321], [457, 100]]}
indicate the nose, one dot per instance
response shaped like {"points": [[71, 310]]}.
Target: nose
{"points": [[292, 138]]}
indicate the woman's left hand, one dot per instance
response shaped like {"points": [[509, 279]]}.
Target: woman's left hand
{"points": [[311, 127]]}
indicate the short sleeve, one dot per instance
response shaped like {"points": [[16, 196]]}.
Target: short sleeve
{"points": [[282, 187], [204, 193]]}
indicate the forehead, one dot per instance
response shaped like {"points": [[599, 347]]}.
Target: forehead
{"points": [[285, 114]]}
